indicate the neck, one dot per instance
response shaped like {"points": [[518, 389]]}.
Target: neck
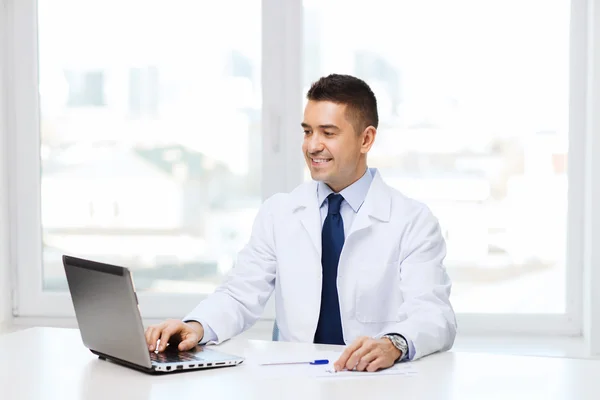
{"points": [[338, 187]]}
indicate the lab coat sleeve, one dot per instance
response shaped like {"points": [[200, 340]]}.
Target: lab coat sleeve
{"points": [[430, 325], [240, 300]]}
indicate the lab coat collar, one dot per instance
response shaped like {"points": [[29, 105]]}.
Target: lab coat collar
{"points": [[377, 205]]}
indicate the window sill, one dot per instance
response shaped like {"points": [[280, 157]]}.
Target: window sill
{"points": [[542, 346]]}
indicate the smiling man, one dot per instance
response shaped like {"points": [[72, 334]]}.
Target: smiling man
{"points": [[351, 260]]}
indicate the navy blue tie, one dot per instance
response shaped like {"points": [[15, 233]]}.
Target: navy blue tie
{"points": [[329, 328]]}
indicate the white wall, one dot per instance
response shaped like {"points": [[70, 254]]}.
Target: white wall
{"points": [[5, 313]]}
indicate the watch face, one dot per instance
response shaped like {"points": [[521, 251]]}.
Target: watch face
{"points": [[399, 343]]}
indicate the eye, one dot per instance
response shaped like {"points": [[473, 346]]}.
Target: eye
{"points": [[328, 133], [306, 132]]}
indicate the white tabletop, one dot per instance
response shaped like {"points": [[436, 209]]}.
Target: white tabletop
{"points": [[49, 363]]}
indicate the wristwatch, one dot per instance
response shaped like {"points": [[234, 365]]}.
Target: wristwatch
{"points": [[399, 342]]}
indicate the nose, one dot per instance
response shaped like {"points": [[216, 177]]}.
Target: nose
{"points": [[314, 144]]}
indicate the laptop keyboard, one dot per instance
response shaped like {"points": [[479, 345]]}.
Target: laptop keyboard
{"points": [[172, 357]]}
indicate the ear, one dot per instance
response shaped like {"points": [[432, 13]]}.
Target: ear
{"points": [[368, 138]]}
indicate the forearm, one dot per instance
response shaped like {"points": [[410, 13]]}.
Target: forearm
{"points": [[230, 310], [429, 328]]}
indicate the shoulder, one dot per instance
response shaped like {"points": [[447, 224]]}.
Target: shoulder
{"points": [[401, 203], [302, 195]]}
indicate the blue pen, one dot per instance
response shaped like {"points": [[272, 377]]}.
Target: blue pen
{"points": [[314, 362]]}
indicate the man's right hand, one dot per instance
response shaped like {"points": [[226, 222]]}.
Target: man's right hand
{"points": [[174, 331]]}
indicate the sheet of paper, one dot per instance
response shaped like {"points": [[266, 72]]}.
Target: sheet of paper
{"points": [[405, 369], [316, 371]]}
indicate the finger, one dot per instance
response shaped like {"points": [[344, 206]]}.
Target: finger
{"points": [[354, 359], [341, 362], [351, 362], [375, 365], [154, 335], [382, 361], [366, 360], [189, 339], [148, 335], [189, 343], [165, 336]]}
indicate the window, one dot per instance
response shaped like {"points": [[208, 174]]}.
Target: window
{"points": [[474, 122], [152, 159]]}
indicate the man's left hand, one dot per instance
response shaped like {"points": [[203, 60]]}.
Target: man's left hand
{"points": [[368, 354]]}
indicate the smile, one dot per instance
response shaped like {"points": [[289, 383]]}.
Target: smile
{"points": [[320, 160]]}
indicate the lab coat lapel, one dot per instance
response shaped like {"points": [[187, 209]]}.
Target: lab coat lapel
{"points": [[377, 206], [307, 209]]}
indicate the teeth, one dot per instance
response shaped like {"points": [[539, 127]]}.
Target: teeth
{"points": [[319, 160]]}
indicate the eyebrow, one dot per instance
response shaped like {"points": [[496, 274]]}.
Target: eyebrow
{"points": [[326, 126]]}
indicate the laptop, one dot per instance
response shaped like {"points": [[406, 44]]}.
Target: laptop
{"points": [[109, 320]]}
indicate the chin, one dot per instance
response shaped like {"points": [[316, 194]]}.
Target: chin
{"points": [[317, 175]]}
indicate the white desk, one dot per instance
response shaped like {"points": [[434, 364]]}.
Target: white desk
{"points": [[48, 363]]}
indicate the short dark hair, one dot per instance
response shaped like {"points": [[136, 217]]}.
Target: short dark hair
{"points": [[360, 101]]}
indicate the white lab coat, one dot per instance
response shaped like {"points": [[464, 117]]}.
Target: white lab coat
{"points": [[391, 276]]}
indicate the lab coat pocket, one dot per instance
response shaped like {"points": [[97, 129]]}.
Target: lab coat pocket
{"points": [[378, 296]]}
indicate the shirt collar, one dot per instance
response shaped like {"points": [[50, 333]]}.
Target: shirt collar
{"points": [[354, 194]]}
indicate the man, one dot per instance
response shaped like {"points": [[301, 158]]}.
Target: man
{"points": [[351, 260]]}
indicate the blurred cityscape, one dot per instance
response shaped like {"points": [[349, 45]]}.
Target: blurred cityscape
{"points": [[151, 156]]}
